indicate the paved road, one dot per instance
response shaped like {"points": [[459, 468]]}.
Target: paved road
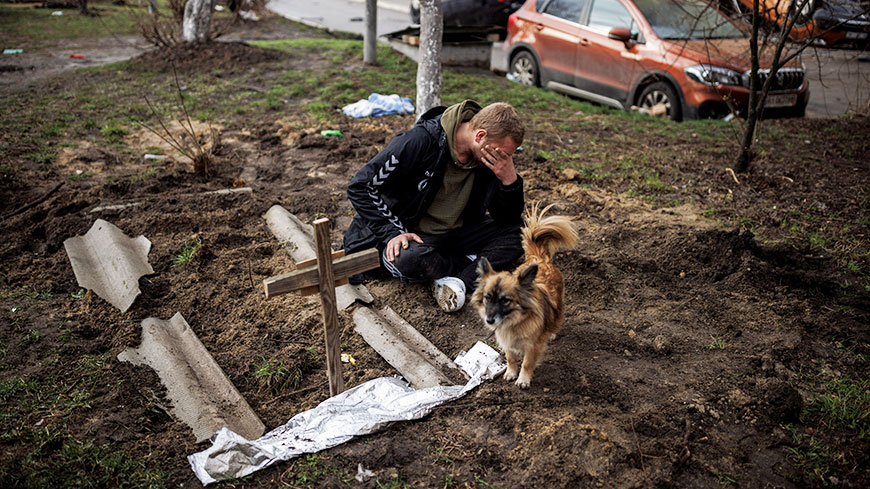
{"points": [[839, 79], [344, 15]]}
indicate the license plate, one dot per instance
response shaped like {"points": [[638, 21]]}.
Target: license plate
{"points": [[856, 35], [781, 100]]}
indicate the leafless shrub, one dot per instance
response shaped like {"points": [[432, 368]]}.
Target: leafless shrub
{"points": [[198, 147]]}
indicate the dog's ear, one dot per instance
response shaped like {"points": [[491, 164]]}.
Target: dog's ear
{"points": [[527, 276], [483, 267]]}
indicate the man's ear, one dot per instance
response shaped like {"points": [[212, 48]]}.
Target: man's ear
{"points": [[479, 136]]}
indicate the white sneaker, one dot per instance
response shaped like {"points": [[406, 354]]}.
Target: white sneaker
{"points": [[449, 293]]}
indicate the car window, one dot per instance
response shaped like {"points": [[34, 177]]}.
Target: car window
{"points": [[687, 19], [607, 14], [565, 9]]}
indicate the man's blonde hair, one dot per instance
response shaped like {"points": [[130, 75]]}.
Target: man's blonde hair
{"points": [[500, 120]]}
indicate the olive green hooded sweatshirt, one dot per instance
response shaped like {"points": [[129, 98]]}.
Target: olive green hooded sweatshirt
{"points": [[445, 212]]}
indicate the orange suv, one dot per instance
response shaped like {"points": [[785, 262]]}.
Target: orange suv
{"points": [[681, 54]]}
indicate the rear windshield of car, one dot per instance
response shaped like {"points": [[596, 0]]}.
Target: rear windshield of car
{"points": [[687, 19]]}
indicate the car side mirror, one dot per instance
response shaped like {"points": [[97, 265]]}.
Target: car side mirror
{"points": [[621, 34]]}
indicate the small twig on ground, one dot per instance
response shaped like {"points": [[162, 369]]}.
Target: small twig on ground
{"points": [[32, 204], [733, 175], [299, 391], [685, 453]]}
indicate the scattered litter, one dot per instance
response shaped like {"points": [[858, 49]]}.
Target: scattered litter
{"points": [[362, 473], [219, 8], [346, 358], [657, 110], [248, 15], [364, 409], [78, 172], [57, 13], [330, 132], [13, 51], [14, 309], [202, 396], [108, 262], [730, 117], [379, 105], [512, 77], [155, 157], [77, 56]]}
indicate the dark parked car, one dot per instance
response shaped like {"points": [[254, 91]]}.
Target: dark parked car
{"points": [[682, 54], [471, 13], [839, 23]]}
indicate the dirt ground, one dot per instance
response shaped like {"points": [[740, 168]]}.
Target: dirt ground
{"points": [[688, 351]]}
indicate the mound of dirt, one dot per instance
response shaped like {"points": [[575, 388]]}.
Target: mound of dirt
{"points": [[233, 56]]}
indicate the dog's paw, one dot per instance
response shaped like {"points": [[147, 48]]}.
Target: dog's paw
{"points": [[523, 383], [510, 375]]}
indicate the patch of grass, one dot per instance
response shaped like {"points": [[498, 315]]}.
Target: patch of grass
{"points": [[32, 337], [844, 405], [79, 177], [811, 455], [717, 344], [145, 175], [308, 470], [114, 132], [30, 28], [186, 254], [57, 460]]}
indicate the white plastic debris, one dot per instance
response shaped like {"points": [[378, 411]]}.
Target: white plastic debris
{"points": [[364, 409], [363, 473], [149, 156], [57, 13]]}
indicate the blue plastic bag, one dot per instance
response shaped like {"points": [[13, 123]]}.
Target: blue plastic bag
{"points": [[379, 105]]}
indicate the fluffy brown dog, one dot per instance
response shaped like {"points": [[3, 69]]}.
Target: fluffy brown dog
{"points": [[524, 307]]}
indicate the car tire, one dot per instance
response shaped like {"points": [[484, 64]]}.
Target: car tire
{"points": [[524, 69], [661, 93]]}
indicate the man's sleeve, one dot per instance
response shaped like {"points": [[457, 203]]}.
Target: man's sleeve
{"points": [[507, 203], [378, 187]]}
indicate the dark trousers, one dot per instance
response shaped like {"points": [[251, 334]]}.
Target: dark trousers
{"points": [[443, 255]]}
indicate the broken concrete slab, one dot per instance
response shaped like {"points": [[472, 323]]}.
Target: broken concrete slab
{"points": [[202, 396], [416, 358], [298, 239], [108, 262]]}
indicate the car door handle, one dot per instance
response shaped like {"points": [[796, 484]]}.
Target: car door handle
{"points": [[584, 42]]}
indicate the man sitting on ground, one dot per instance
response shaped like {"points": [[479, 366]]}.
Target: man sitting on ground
{"points": [[441, 195]]}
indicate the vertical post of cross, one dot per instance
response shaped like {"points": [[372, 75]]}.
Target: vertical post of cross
{"points": [[330, 311]]}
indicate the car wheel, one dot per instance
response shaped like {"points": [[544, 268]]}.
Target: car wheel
{"points": [[661, 93], [524, 68]]}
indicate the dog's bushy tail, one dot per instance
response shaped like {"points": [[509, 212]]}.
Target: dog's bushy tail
{"points": [[544, 235]]}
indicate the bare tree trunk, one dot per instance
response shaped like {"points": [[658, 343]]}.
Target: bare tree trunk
{"points": [[758, 94], [152, 7], [429, 56], [197, 20], [370, 42], [745, 155], [83, 7]]}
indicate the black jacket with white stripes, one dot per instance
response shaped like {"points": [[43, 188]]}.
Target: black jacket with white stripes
{"points": [[393, 190]]}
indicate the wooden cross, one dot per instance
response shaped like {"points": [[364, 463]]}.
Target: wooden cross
{"points": [[323, 274]]}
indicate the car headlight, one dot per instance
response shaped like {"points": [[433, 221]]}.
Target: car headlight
{"points": [[713, 75]]}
